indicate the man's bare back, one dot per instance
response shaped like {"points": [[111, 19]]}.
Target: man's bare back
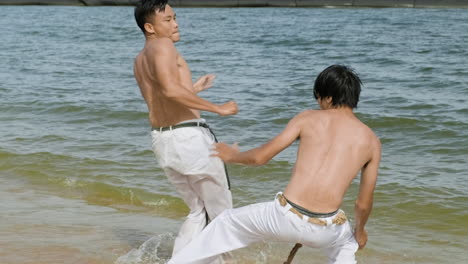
{"points": [[334, 146], [324, 167]]}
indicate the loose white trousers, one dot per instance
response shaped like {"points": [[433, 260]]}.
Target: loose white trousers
{"points": [[201, 181], [237, 228]]}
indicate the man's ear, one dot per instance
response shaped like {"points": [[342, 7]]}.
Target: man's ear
{"points": [[149, 28], [329, 100]]}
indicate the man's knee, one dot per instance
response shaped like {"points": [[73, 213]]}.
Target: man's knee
{"points": [[346, 254], [216, 203]]}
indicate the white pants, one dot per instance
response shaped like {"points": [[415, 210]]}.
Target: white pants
{"points": [[237, 228], [184, 155]]}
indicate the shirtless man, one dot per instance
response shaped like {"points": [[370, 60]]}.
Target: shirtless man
{"points": [[180, 138], [334, 147]]}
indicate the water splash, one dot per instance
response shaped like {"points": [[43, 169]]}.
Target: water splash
{"points": [[156, 250]]}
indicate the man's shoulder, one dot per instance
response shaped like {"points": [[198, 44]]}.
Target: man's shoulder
{"points": [[368, 129], [160, 46], [375, 139], [308, 114], [372, 138]]}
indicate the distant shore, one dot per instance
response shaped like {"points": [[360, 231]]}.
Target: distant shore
{"points": [[258, 3]]}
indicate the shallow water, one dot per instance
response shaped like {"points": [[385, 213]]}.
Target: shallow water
{"points": [[81, 185]]}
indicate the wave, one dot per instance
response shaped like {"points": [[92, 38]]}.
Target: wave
{"points": [[95, 181], [428, 208]]}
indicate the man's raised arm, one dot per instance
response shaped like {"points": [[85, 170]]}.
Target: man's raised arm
{"points": [[165, 64], [203, 83]]}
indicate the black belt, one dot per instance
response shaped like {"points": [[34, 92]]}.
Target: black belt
{"points": [[188, 124], [304, 211], [194, 124]]}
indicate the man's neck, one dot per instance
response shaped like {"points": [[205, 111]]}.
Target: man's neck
{"points": [[345, 110], [150, 37]]}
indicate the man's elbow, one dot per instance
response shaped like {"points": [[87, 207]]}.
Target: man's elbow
{"points": [[259, 161], [363, 206]]}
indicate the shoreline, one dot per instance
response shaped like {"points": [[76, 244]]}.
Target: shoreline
{"points": [[259, 3]]}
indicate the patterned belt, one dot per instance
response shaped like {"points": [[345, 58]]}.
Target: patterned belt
{"points": [[339, 219]]}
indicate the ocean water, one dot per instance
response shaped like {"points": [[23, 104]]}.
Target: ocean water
{"points": [[78, 180]]}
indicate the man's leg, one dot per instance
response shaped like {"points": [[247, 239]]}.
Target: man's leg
{"points": [[214, 186], [196, 219], [343, 252], [212, 189], [205, 175], [233, 229], [216, 197]]}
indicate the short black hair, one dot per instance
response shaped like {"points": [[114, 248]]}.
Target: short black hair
{"points": [[147, 8], [340, 83]]}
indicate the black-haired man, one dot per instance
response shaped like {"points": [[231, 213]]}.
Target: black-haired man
{"points": [[180, 138], [334, 146]]}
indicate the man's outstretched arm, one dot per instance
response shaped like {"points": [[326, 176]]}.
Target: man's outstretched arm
{"points": [[264, 153], [363, 205]]}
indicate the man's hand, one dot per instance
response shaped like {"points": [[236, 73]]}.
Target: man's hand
{"points": [[229, 108], [361, 237], [225, 152], [204, 83]]}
